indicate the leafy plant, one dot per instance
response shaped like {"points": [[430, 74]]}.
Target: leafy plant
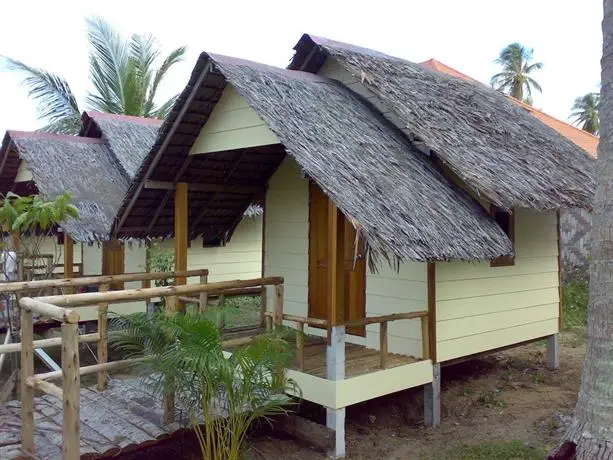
{"points": [[29, 213], [162, 261], [575, 297], [223, 395], [126, 75]]}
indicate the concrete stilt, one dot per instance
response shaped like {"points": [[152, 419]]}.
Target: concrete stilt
{"points": [[335, 370], [432, 398], [553, 351]]}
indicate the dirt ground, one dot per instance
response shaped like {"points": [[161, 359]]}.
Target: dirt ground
{"points": [[508, 397]]}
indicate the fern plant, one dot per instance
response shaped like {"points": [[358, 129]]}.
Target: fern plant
{"points": [[223, 394]]}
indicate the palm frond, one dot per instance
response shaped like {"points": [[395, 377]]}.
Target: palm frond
{"points": [[175, 56], [55, 101], [163, 110]]}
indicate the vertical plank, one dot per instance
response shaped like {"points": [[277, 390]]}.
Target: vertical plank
{"points": [[181, 230], [432, 310], [383, 345], [71, 385], [204, 296], [27, 370], [278, 305], [103, 341], [560, 290], [425, 338], [300, 344], [336, 269]]}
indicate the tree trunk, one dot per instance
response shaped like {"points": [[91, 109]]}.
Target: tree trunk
{"points": [[590, 435]]}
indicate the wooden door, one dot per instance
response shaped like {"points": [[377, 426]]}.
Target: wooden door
{"points": [[113, 261], [355, 269]]}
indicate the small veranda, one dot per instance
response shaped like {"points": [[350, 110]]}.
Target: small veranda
{"points": [[412, 216]]}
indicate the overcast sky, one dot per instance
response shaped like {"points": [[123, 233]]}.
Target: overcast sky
{"points": [[465, 34]]}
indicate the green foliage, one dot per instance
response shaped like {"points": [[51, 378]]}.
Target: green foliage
{"points": [[162, 261], [28, 213], [585, 112], [503, 450], [126, 75], [515, 79], [575, 297], [183, 354]]}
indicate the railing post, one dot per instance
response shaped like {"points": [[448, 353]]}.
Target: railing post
{"points": [[300, 344], [425, 338], [27, 370], [383, 345], [278, 305], [103, 341], [169, 397], [71, 387], [263, 307], [204, 296]]}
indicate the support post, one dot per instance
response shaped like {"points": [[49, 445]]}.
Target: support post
{"points": [[68, 259], [181, 230], [71, 385], [168, 402], [300, 344], [431, 281], [263, 307], [335, 370], [553, 351], [103, 341], [27, 370], [425, 338], [278, 305], [383, 345], [432, 398], [336, 266], [204, 296]]}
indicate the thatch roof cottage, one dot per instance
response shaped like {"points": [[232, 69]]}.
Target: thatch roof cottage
{"points": [[412, 215]]}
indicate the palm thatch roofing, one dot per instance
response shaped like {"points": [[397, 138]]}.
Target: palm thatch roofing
{"points": [[495, 147], [401, 204]]}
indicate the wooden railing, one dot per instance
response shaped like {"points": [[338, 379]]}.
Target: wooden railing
{"points": [[56, 307], [276, 317]]}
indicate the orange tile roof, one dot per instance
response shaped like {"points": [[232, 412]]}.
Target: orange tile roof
{"points": [[583, 139]]}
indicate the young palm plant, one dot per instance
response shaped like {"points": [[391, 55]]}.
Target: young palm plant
{"points": [[515, 78], [585, 112], [126, 75], [222, 395]]}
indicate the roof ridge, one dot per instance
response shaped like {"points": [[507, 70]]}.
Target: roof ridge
{"points": [[16, 134], [118, 116]]}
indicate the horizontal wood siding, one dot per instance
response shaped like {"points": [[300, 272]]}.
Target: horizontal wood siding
{"points": [[241, 258], [480, 308], [287, 236], [233, 124]]}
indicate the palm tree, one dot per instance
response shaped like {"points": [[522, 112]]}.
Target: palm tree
{"points": [[515, 79], [126, 75], [585, 112]]}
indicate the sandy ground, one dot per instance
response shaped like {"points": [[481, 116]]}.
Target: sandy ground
{"points": [[504, 397]]}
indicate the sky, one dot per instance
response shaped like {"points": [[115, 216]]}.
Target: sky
{"points": [[464, 34]]}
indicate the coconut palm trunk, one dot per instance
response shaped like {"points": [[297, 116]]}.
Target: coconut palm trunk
{"points": [[591, 431]]}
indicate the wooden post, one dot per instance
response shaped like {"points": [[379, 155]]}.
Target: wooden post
{"points": [[431, 272], [268, 323], [425, 338], [204, 296], [300, 344], [68, 256], [27, 370], [263, 307], [278, 305], [103, 341], [336, 268], [383, 345], [168, 402], [181, 230], [71, 385]]}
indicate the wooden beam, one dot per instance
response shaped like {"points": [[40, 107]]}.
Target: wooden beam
{"points": [[431, 269], [336, 265], [68, 256], [165, 143], [8, 151], [47, 343], [181, 227], [45, 387], [47, 309], [196, 187], [71, 385]]}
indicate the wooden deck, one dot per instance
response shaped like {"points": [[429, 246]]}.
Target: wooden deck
{"points": [[359, 360], [120, 418]]}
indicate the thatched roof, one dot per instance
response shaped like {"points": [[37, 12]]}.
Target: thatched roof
{"points": [[495, 147], [403, 206], [130, 138], [85, 167]]}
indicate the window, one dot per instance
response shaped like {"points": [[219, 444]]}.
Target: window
{"points": [[506, 221]]}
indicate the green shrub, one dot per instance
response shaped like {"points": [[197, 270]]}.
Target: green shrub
{"points": [[575, 297]]}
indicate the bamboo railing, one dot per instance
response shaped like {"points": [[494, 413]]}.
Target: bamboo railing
{"points": [[56, 307]]}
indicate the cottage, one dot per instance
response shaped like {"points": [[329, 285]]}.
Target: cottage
{"points": [[412, 215], [96, 167]]}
